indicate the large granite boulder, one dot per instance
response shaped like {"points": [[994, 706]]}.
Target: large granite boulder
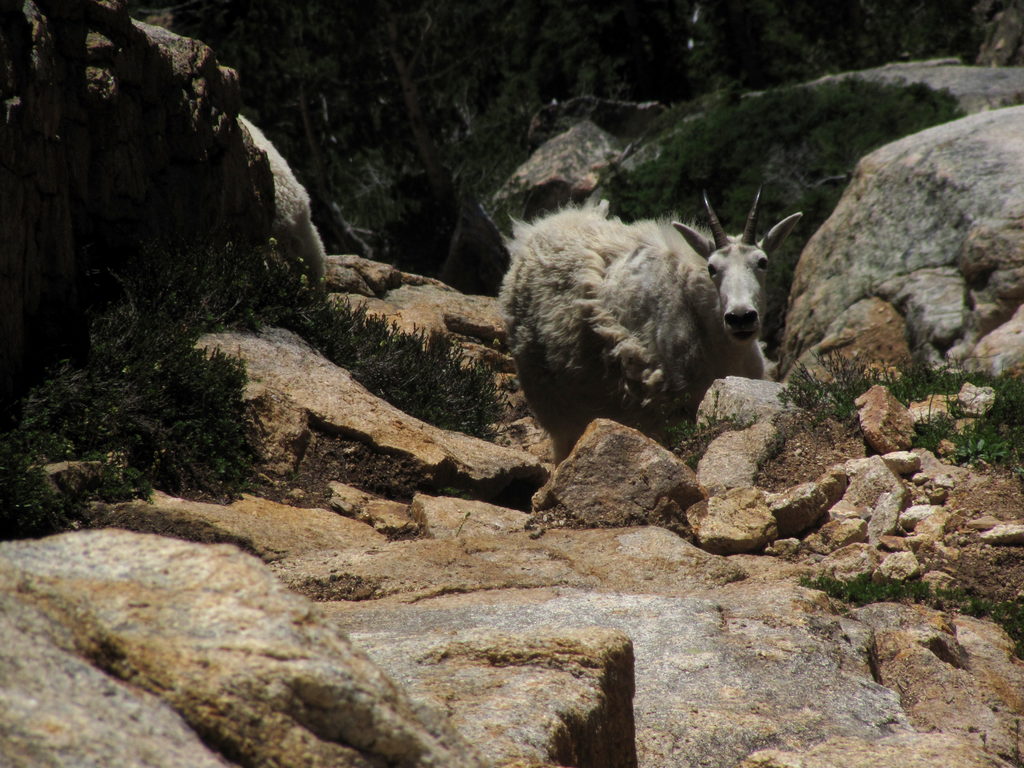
{"points": [[930, 225]]}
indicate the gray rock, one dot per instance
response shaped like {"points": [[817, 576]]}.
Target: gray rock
{"points": [[562, 170], [976, 89], [733, 459], [716, 676], [928, 224], [742, 400], [874, 486]]}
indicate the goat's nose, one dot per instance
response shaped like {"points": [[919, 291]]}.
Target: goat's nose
{"points": [[741, 320]]}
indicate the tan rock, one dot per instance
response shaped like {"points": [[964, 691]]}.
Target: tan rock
{"points": [[912, 515], [265, 528], [444, 517], [733, 459], [1001, 350], [370, 278], [869, 330], [902, 462], [849, 562], [543, 697], [738, 521], [931, 408], [837, 534], [439, 309], [885, 422], [957, 676], [210, 633], [899, 566], [804, 505], [875, 486], [391, 518], [282, 363], [617, 476]]}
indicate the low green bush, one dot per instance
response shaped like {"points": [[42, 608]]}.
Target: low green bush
{"points": [[157, 412], [802, 143], [994, 438]]}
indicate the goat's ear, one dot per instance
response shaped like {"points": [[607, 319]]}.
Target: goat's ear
{"points": [[777, 234], [697, 241]]}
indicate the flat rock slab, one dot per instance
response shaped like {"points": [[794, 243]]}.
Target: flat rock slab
{"points": [[264, 528], [643, 559], [717, 677], [205, 631], [535, 697], [336, 403]]}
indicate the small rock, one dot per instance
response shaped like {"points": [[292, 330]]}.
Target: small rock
{"points": [[617, 476], [983, 523], [976, 401], [885, 422], [1007, 534], [873, 485], [836, 534], [845, 510], [902, 462], [74, 477], [899, 566], [892, 544], [911, 516], [804, 505], [743, 400], [851, 561], [784, 548], [738, 521], [733, 459], [929, 409], [443, 517]]}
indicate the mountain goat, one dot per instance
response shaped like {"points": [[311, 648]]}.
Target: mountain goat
{"points": [[293, 226], [631, 322]]}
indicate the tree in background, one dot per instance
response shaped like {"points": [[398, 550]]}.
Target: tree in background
{"points": [[394, 112]]}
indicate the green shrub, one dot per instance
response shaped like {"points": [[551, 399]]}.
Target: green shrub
{"points": [[801, 143], [863, 590], [157, 412], [995, 438]]}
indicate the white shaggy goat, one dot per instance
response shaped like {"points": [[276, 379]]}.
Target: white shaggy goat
{"points": [[631, 322], [293, 226]]}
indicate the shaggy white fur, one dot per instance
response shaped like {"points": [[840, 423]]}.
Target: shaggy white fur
{"points": [[623, 321], [293, 226]]}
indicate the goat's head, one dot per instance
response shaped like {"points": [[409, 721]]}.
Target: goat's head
{"points": [[738, 265]]}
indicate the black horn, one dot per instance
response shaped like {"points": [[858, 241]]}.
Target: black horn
{"points": [[721, 239], [750, 230]]}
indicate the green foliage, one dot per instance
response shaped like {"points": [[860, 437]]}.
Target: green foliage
{"points": [[995, 438], [29, 506], [323, 80], [863, 590], [157, 412], [801, 143]]}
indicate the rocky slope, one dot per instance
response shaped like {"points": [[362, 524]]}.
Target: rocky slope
{"points": [[634, 613]]}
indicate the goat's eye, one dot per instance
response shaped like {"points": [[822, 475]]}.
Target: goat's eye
{"points": [[762, 263], [711, 270]]}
